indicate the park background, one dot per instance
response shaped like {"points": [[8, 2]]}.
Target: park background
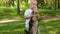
{"points": [[12, 16]]}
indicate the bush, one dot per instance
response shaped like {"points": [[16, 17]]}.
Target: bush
{"points": [[8, 12], [49, 12]]}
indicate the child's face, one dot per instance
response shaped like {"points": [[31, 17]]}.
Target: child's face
{"points": [[33, 5]]}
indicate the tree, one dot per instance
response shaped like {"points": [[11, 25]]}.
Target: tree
{"points": [[13, 2], [56, 4], [10, 2], [59, 4], [18, 6]]}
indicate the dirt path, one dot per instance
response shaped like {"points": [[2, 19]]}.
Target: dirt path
{"points": [[51, 18], [10, 20], [21, 19]]}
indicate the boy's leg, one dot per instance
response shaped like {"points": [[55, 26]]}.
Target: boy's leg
{"points": [[26, 31], [27, 28]]}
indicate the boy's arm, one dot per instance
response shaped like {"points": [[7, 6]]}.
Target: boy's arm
{"points": [[28, 16]]}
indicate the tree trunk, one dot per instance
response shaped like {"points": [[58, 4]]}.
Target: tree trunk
{"points": [[13, 2], [9, 3], [18, 6], [56, 4], [59, 4]]}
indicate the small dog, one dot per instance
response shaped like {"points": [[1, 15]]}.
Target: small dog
{"points": [[36, 17]]}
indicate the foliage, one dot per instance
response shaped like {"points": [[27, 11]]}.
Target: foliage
{"points": [[8, 12], [11, 12], [43, 4], [46, 12]]}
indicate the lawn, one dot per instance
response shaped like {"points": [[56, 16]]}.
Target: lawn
{"points": [[46, 27]]}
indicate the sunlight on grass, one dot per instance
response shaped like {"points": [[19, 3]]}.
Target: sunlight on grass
{"points": [[12, 30], [5, 31], [53, 32], [2, 25], [46, 21], [18, 29], [49, 27]]}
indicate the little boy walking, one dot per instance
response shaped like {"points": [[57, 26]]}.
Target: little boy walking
{"points": [[28, 14]]}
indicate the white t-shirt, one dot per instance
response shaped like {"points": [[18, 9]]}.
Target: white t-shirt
{"points": [[27, 13]]}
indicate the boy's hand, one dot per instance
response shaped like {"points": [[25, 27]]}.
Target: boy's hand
{"points": [[29, 16]]}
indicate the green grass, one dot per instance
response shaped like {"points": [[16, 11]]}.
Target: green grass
{"points": [[12, 28], [11, 12], [50, 27], [46, 27]]}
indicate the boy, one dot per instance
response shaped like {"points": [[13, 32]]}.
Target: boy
{"points": [[28, 13]]}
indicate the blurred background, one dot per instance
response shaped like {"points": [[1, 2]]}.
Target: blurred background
{"points": [[12, 14]]}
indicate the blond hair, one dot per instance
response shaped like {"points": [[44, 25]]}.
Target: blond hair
{"points": [[32, 1]]}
